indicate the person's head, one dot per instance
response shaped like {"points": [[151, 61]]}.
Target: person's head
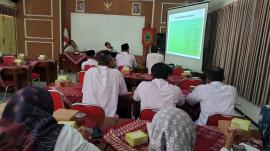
{"points": [[28, 115], [154, 49], [161, 71], [172, 124], [90, 53], [264, 126], [104, 58], [26, 101], [125, 47], [215, 74], [108, 45], [72, 43]]}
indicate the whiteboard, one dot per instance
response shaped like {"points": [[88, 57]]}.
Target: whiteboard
{"points": [[91, 31]]}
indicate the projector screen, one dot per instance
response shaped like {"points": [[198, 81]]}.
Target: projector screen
{"points": [[91, 31], [185, 35]]}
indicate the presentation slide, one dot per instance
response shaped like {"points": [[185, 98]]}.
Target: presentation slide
{"points": [[185, 35]]}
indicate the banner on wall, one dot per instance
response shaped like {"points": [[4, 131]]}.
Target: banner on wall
{"points": [[148, 37]]}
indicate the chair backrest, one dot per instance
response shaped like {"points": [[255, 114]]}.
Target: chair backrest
{"points": [[86, 67], [147, 114], [120, 68], [57, 100], [177, 71], [81, 76], [215, 117], [186, 83], [89, 110], [8, 60]]}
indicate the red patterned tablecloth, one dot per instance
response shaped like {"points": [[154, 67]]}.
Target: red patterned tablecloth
{"points": [[71, 94], [75, 58], [208, 138], [175, 80]]}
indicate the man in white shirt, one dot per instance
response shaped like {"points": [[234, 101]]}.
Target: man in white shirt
{"points": [[153, 58], [109, 47], [102, 84], [214, 96], [125, 59], [158, 93], [91, 61]]}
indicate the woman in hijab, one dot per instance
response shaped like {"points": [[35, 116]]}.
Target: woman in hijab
{"points": [[173, 130], [27, 124], [264, 129]]}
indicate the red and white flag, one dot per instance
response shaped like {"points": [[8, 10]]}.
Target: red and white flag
{"points": [[66, 37]]}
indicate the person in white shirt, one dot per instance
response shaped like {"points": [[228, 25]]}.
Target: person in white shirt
{"points": [[102, 85], [71, 47], [109, 47], [125, 59], [91, 61], [153, 58], [158, 93], [214, 96]]}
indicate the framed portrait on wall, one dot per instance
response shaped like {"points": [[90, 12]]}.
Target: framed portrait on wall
{"points": [[80, 6], [136, 8]]}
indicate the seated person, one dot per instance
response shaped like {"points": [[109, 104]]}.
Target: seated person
{"points": [[109, 47], [124, 58], [264, 129], [71, 47], [27, 124], [102, 84], [158, 93], [172, 129], [153, 58], [91, 61], [214, 96]]}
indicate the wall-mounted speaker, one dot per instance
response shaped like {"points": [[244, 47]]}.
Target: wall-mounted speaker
{"points": [[161, 41], [14, 1]]}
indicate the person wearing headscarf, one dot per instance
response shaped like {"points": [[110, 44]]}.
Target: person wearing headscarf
{"points": [[27, 124], [173, 130], [264, 129]]}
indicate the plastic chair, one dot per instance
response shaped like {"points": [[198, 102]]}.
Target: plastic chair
{"points": [[8, 60], [89, 110], [147, 114], [177, 71], [35, 76], [57, 100], [81, 76], [186, 83], [86, 67], [120, 68], [215, 117]]}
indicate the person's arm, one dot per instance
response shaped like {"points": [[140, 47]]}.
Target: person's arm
{"points": [[82, 67], [71, 139], [195, 96], [179, 97], [122, 84], [134, 65], [136, 96]]}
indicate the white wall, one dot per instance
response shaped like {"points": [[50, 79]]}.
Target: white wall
{"points": [[217, 4]]}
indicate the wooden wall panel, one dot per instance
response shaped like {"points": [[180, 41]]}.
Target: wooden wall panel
{"points": [[36, 48], [44, 30], [38, 8], [39, 21]]}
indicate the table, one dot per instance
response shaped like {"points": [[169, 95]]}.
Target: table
{"points": [[134, 79], [19, 74], [46, 68], [208, 138], [71, 62]]}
